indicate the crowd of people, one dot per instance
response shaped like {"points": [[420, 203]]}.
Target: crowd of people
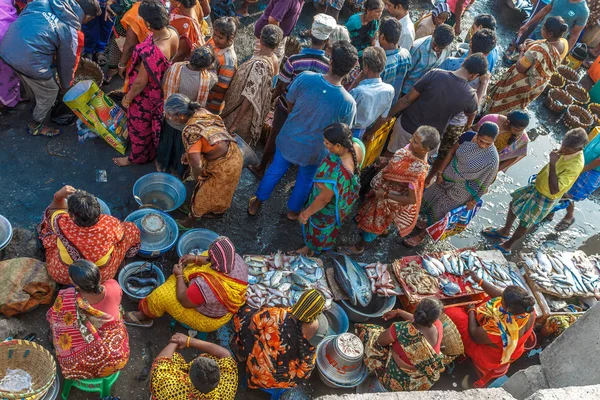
{"points": [[380, 106]]}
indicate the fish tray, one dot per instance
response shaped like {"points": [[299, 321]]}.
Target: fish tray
{"points": [[541, 303], [538, 288], [411, 299]]}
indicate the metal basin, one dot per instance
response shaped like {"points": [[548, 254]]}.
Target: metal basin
{"points": [[340, 361], [132, 268], [158, 231], [159, 190], [376, 308], [199, 239], [6, 232]]}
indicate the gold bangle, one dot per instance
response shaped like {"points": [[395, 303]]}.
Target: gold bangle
{"points": [[188, 342], [178, 276]]}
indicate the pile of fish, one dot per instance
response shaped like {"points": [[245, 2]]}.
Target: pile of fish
{"points": [[418, 280], [280, 280], [498, 274], [142, 281], [563, 274], [381, 280], [353, 280], [448, 263]]}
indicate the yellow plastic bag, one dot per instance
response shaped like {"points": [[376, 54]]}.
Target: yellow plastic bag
{"points": [[99, 113], [375, 145]]}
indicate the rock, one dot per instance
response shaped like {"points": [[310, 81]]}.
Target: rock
{"points": [[23, 244], [10, 327], [473, 394], [573, 392], [526, 382]]}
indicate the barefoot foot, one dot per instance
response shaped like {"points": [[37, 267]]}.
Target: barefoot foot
{"points": [[121, 161]]}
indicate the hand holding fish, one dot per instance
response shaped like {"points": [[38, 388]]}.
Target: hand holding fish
{"points": [[473, 275]]}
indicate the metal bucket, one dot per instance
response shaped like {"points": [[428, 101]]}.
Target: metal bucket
{"points": [[6, 232], [159, 190], [199, 239], [340, 361], [250, 157], [158, 233]]}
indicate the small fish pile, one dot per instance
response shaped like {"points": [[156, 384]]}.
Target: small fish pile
{"points": [[280, 280], [381, 280], [418, 279], [563, 274], [143, 281], [448, 263], [353, 280]]}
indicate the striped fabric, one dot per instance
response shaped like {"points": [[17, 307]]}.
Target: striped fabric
{"points": [[397, 64], [309, 306], [226, 66], [530, 206], [222, 255], [171, 83], [307, 60]]}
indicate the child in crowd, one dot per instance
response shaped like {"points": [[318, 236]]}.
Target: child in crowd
{"points": [[373, 97], [224, 31], [363, 26]]}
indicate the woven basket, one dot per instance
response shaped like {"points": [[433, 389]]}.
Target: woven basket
{"points": [[32, 358], [594, 109], [557, 81], [558, 100], [86, 70], [452, 344], [578, 93], [569, 74], [578, 117]]}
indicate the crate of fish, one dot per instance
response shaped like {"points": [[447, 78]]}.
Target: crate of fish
{"points": [[280, 280], [563, 274], [493, 268]]}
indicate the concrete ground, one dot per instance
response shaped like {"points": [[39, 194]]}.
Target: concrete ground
{"points": [[33, 168]]}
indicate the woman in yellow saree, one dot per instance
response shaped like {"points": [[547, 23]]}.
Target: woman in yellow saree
{"points": [[203, 293]]}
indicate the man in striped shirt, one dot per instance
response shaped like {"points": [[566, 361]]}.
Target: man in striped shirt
{"points": [[311, 58]]}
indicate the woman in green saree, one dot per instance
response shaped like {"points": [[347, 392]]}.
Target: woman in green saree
{"points": [[406, 356]]}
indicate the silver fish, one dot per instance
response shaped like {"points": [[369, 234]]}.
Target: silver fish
{"points": [[277, 276], [341, 276], [446, 262], [543, 261], [430, 267], [300, 280], [438, 264], [284, 287], [278, 260], [253, 280], [449, 288], [359, 281]]}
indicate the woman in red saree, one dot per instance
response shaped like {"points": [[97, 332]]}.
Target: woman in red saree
{"points": [[88, 333], [144, 99], [77, 231], [494, 332], [396, 191]]}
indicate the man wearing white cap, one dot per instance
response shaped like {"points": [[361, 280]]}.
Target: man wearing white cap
{"points": [[311, 58]]}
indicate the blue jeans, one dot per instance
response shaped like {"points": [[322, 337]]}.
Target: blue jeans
{"points": [[97, 33], [276, 171]]}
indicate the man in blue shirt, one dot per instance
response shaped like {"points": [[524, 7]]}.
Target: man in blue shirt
{"points": [[315, 101]]}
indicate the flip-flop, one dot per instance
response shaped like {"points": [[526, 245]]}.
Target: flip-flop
{"points": [[493, 233], [38, 131], [564, 225], [130, 319], [250, 202], [502, 249]]}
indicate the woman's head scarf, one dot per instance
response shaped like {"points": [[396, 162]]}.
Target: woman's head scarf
{"points": [[440, 8], [309, 306], [222, 255]]}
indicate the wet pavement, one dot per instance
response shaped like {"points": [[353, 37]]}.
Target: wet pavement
{"points": [[34, 168]]}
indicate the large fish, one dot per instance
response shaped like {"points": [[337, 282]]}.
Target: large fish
{"points": [[357, 285], [341, 276]]}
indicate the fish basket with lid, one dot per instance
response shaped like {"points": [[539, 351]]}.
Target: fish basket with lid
{"points": [[159, 191], [158, 231], [35, 361], [340, 361]]}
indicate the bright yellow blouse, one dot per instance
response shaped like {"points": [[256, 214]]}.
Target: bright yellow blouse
{"points": [[568, 169]]}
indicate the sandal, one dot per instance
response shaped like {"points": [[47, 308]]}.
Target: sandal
{"points": [[493, 233], [564, 224], [502, 249], [43, 130], [413, 241], [548, 217], [130, 319], [254, 206]]}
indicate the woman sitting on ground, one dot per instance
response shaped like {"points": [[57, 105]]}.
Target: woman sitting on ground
{"points": [[494, 332], [193, 79], [416, 361], [465, 175], [88, 333], [396, 191], [334, 192], [527, 79], [211, 375], [203, 293], [512, 140], [248, 98], [274, 342], [76, 230], [213, 155]]}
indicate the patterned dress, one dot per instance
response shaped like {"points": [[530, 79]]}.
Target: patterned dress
{"points": [[145, 113], [271, 343], [323, 227], [89, 343], [170, 379], [428, 362], [470, 173]]}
